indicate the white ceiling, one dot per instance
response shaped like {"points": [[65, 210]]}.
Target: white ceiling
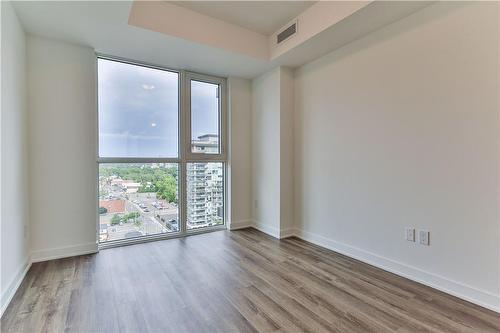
{"points": [[264, 17], [104, 26]]}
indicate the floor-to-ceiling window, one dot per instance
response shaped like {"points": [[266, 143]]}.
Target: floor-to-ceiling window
{"points": [[162, 151]]}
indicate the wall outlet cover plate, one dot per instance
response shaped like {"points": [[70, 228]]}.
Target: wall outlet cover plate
{"points": [[423, 237], [410, 234]]}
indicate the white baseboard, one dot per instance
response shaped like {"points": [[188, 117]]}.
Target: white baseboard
{"points": [[289, 232], [64, 252], [272, 231], [240, 224], [267, 229], [468, 293], [9, 293], [38, 256]]}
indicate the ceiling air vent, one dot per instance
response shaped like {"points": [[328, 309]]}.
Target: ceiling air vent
{"points": [[287, 32]]}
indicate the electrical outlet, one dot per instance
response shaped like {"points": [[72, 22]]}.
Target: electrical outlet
{"points": [[410, 234], [423, 237]]}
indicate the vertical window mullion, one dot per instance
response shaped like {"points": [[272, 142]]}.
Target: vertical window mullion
{"points": [[183, 130]]}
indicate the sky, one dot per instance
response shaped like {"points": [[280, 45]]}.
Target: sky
{"points": [[138, 110]]}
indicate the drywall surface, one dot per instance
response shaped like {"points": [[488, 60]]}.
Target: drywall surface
{"points": [[315, 19], [62, 122], [286, 150], [15, 248], [272, 152], [240, 151], [401, 128], [62, 127], [170, 19], [266, 151]]}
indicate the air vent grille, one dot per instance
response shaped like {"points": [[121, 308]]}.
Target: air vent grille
{"points": [[291, 30]]}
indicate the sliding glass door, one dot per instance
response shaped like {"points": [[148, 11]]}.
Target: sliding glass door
{"points": [[162, 152]]}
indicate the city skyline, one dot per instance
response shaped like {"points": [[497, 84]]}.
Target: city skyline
{"points": [[130, 188]]}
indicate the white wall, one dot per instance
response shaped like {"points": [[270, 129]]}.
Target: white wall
{"points": [[14, 191], [240, 152], [286, 150], [272, 153], [62, 126], [266, 151], [63, 148], [401, 128], [174, 20]]}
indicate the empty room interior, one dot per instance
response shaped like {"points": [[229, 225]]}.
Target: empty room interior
{"points": [[250, 166]]}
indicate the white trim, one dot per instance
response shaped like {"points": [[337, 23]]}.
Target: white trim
{"points": [[480, 297], [9, 293], [64, 252], [267, 229], [286, 233], [240, 224], [271, 231]]}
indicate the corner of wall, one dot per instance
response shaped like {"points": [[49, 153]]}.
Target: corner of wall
{"points": [[8, 294], [240, 152], [14, 179]]}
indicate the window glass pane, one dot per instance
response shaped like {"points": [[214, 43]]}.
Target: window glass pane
{"points": [[205, 118], [137, 199], [205, 195], [138, 111]]}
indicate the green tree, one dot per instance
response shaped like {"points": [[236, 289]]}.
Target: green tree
{"points": [[115, 219], [132, 215], [167, 188], [148, 188], [146, 176]]}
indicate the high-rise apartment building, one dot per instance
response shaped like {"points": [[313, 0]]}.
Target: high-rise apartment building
{"points": [[205, 190]]}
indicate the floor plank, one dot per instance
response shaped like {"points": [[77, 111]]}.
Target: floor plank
{"points": [[240, 281]]}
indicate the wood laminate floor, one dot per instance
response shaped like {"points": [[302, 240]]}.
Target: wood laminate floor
{"points": [[240, 281]]}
